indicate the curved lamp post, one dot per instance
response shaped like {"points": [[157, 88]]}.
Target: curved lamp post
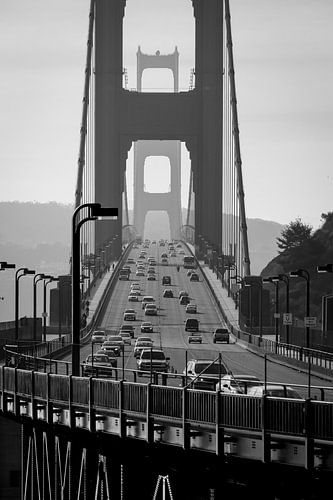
{"points": [[47, 280], [285, 279], [259, 285], [25, 271], [303, 273], [92, 211], [37, 277], [275, 281]]}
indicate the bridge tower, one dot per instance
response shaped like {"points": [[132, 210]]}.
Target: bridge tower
{"points": [[194, 117], [144, 201]]}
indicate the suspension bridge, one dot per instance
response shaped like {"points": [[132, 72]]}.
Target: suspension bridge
{"points": [[131, 434]]}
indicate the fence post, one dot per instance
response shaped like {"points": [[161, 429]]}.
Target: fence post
{"points": [[122, 423], [92, 413], [219, 431], [186, 434], [150, 426], [309, 448], [266, 445]]}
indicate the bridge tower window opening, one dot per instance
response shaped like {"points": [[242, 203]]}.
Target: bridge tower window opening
{"points": [[157, 174], [157, 33], [157, 80]]}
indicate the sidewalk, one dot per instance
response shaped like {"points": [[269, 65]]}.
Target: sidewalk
{"points": [[98, 290], [228, 305]]}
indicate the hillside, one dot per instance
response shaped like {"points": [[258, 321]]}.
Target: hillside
{"points": [[318, 250]]}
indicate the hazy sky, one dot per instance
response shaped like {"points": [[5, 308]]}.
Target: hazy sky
{"points": [[283, 53]]}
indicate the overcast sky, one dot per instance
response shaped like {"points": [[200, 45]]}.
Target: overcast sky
{"points": [[283, 53]]}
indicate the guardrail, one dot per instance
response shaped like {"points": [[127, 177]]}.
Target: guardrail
{"points": [[297, 418]]}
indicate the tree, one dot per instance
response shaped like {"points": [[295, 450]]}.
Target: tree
{"points": [[294, 235]]}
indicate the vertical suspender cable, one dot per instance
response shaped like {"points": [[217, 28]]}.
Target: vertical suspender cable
{"points": [[238, 160]]}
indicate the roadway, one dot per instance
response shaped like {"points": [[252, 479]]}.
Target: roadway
{"points": [[169, 332]]}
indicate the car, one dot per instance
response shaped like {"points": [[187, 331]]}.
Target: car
{"points": [[164, 256], [191, 325], [126, 336], [204, 373], [133, 297], [110, 354], [151, 277], [182, 293], [153, 360], [184, 300], [274, 390], [181, 252], [164, 261], [140, 273], [194, 277], [98, 337], [147, 299], [221, 335], [150, 310], [123, 275], [194, 338], [151, 270], [129, 315], [110, 349], [114, 343], [166, 280], [135, 287], [97, 364], [168, 293], [191, 308], [173, 254], [237, 384], [130, 261], [142, 344], [147, 327], [179, 245], [127, 328], [144, 338]]}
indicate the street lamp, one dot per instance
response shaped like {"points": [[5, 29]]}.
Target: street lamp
{"points": [[92, 211], [47, 280], [25, 271], [37, 277], [275, 281], [259, 285], [285, 279], [5, 265], [325, 269], [303, 273]]}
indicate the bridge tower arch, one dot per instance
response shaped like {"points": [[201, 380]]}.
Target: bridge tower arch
{"points": [[195, 117]]}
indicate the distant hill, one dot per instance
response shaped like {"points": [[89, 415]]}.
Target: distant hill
{"points": [[318, 250]]}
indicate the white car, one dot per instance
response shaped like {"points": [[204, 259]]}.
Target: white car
{"points": [[126, 336], [191, 308], [140, 273], [146, 327], [129, 315], [135, 287], [98, 337], [150, 310], [142, 344], [133, 297], [147, 299], [237, 384]]}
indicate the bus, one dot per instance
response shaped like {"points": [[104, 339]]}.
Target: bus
{"points": [[190, 262]]}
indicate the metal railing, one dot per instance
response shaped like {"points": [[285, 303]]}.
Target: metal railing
{"points": [[274, 415]]}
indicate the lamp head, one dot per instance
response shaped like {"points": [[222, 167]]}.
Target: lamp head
{"points": [[325, 269]]}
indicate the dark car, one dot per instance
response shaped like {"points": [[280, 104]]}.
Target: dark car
{"points": [[194, 277], [166, 280], [168, 293], [184, 300], [221, 335], [192, 325]]}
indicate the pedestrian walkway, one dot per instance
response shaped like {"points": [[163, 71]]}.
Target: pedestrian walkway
{"points": [[221, 294], [97, 291]]}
